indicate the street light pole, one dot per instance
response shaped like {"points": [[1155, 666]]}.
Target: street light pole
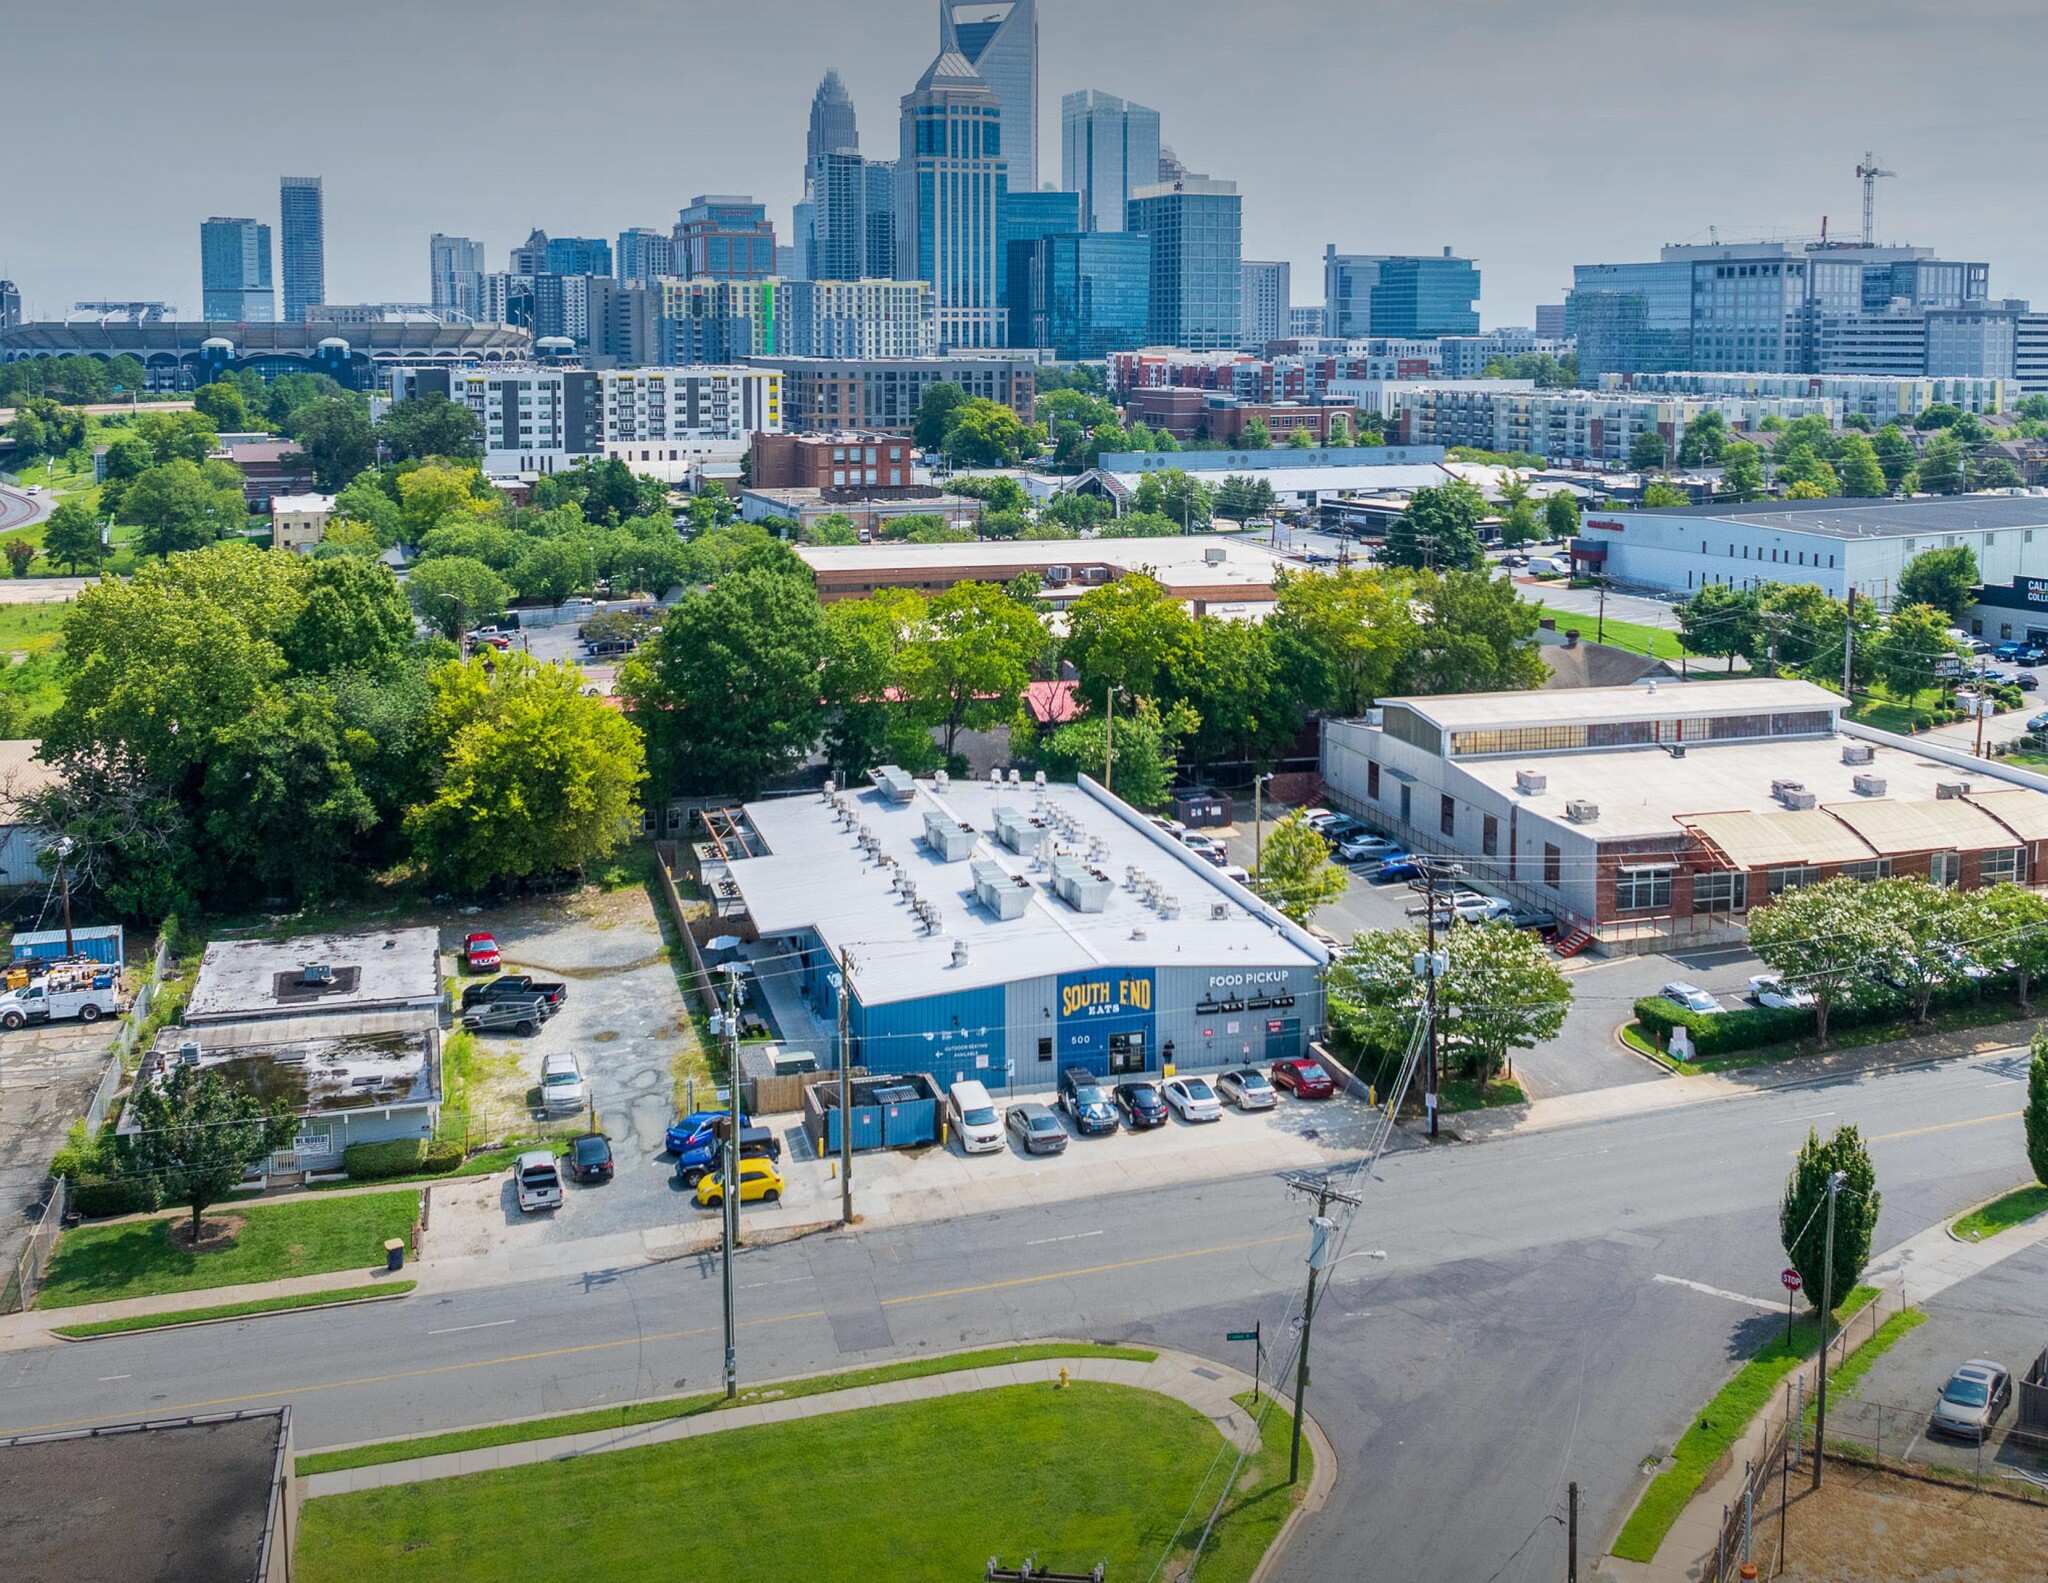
{"points": [[1827, 1304], [729, 1170], [1259, 827], [1320, 1227], [1109, 737], [845, 1095]]}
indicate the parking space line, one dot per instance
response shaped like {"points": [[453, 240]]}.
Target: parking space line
{"points": [[489, 1324], [1786, 1121]]}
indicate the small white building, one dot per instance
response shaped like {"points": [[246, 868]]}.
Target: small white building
{"points": [[298, 522]]}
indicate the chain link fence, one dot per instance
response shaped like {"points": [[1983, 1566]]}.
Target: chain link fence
{"points": [[26, 1277], [1902, 1439]]}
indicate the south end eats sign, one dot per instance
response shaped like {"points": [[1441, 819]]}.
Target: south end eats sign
{"points": [[1105, 996]]}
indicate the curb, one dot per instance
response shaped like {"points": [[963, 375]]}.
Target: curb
{"points": [[1949, 1225], [172, 1322], [1661, 1065]]}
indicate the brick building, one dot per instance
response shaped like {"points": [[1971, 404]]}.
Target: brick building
{"points": [[828, 461]]}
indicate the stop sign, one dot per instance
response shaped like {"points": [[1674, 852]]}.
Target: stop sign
{"points": [[1791, 1280]]}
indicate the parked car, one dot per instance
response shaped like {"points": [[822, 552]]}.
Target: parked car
{"points": [[971, 1117], [1036, 1128], [1196, 842], [1771, 991], [1545, 924], [1977, 645], [705, 1150], [590, 1157], [515, 986], [760, 1182], [1359, 848], [562, 1089], [2030, 656], [2010, 650], [538, 1180], [1303, 1078], [2027, 681], [1141, 1105], [1969, 1405], [480, 952], [606, 648], [1193, 1100], [1247, 1089], [1316, 818], [1341, 829], [1237, 872], [1396, 866], [41, 1003], [522, 1017], [1083, 1097], [697, 1121], [1691, 997], [2038, 722]]}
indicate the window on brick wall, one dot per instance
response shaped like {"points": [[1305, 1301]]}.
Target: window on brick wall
{"points": [[1724, 892], [2009, 864], [1945, 868], [1642, 890]]}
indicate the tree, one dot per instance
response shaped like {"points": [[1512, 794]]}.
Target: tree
{"points": [[334, 435], [1146, 740], [196, 1135], [2036, 1114], [712, 506], [1796, 464], [181, 506], [434, 496], [969, 662], [553, 569], [1561, 515], [170, 435], [1803, 1215], [129, 456], [431, 425], [1703, 441], [1942, 467], [1720, 619], [1944, 579], [31, 438], [1742, 471], [728, 692], [1501, 992], [1802, 625], [1176, 495], [1659, 497], [1439, 528], [1894, 454], [21, 555], [368, 502], [1910, 651], [1339, 640], [1295, 871], [1646, 452], [1475, 634], [2011, 921], [1140, 525], [71, 538], [1240, 498], [1861, 472], [1997, 473], [1301, 440], [866, 722], [1920, 927], [531, 776], [222, 406], [999, 492], [1941, 415], [1818, 938], [935, 414], [1130, 633], [1256, 435], [454, 593]]}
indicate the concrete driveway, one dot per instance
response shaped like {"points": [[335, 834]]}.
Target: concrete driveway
{"points": [[47, 1075]]}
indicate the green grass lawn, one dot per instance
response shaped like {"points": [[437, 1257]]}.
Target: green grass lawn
{"points": [[2002, 1214], [134, 1258], [1464, 1093], [1630, 635], [628, 1414], [35, 629], [925, 1490], [248, 1310], [1845, 1380], [1717, 1427]]}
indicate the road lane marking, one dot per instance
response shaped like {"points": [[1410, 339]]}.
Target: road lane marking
{"points": [[1942, 1126], [106, 1377], [1092, 1269], [490, 1324], [1715, 1291], [1818, 1115], [1072, 1236]]}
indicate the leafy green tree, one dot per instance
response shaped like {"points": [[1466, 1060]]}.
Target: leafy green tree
{"points": [[1742, 471], [968, 663], [1942, 468], [1703, 440], [1521, 525], [866, 721], [1295, 871], [1720, 619], [2011, 921], [172, 435], [2036, 1114], [1997, 473], [712, 506], [1476, 634], [1862, 474], [335, 437], [1801, 625], [1894, 454], [1659, 497], [1241, 498], [1797, 464], [1256, 435], [368, 502], [1077, 407], [1140, 525], [531, 776], [436, 495], [354, 617], [1130, 633], [1560, 515], [935, 414], [1820, 939], [728, 693], [431, 425], [1944, 579], [1803, 1215], [1301, 440], [1919, 926], [553, 569], [837, 528], [181, 506], [607, 491], [289, 392], [71, 538], [454, 593], [129, 456], [30, 436], [1146, 741], [1339, 640], [222, 406], [197, 1133], [998, 492], [1941, 415], [1176, 495], [1910, 651], [1230, 676], [1646, 452], [1440, 528], [1077, 512]]}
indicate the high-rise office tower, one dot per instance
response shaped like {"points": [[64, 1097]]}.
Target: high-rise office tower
{"points": [[833, 129], [950, 184], [1197, 229], [10, 305], [579, 255], [302, 245], [999, 39], [836, 244], [1108, 148], [532, 257], [455, 268], [234, 272], [1025, 218], [1082, 296], [882, 219], [1368, 295], [724, 238], [643, 254], [1268, 308]]}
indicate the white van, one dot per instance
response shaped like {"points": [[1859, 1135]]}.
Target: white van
{"points": [[972, 1116]]}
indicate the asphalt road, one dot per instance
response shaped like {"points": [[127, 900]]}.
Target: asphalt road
{"points": [[19, 510], [1517, 1336]]}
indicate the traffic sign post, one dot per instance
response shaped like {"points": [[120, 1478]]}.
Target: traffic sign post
{"points": [[1792, 1283], [1258, 1350]]}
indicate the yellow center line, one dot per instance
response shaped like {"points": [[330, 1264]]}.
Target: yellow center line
{"points": [[1939, 1126], [1092, 1269]]}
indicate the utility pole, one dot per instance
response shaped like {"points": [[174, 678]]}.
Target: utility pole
{"points": [[1600, 621], [1259, 827], [1109, 737], [1319, 1259], [845, 1095], [1976, 708], [1430, 866], [64, 845], [1849, 648], [1827, 1304], [1571, 1554], [728, 1166]]}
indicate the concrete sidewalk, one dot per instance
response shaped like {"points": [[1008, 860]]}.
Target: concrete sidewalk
{"points": [[34, 1328]]}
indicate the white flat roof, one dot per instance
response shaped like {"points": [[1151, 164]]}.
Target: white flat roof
{"points": [[377, 970], [1172, 561], [1669, 700], [1328, 480], [817, 876]]}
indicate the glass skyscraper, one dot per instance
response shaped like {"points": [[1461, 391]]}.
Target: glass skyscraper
{"points": [[1409, 296], [234, 272], [455, 267], [1108, 148], [725, 238], [999, 39], [950, 184], [833, 128], [1023, 219], [302, 245], [579, 255], [1196, 230], [1083, 296]]}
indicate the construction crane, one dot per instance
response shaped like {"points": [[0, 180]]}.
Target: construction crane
{"points": [[1867, 173]]}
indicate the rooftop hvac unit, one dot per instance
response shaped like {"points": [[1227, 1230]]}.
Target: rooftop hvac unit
{"points": [[1055, 575], [1949, 791], [1095, 574], [1169, 907], [1375, 717], [1016, 829], [895, 783], [1531, 783], [188, 1052], [1858, 753], [1082, 888], [1005, 894], [1218, 911], [316, 973], [1580, 811], [1799, 800], [1868, 785], [949, 839], [1213, 555], [1780, 788]]}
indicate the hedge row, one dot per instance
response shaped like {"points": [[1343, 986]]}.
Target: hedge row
{"points": [[370, 1162], [1753, 1027]]}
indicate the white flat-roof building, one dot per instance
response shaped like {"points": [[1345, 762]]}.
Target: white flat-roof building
{"points": [[1661, 813], [379, 971], [1881, 398], [1004, 931]]}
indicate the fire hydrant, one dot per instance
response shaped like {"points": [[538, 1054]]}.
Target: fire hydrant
{"points": [[1063, 1377]]}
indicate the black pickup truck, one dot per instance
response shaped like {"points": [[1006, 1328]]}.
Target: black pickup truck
{"points": [[515, 986]]}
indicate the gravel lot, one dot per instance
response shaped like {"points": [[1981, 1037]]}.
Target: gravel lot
{"points": [[47, 1075]]}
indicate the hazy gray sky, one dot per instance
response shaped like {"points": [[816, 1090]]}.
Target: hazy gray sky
{"points": [[1530, 134]]}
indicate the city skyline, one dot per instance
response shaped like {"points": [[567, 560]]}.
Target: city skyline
{"points": [[1420, 183]]}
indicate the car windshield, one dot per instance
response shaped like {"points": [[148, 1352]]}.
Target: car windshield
{"points": [[1312, 1073], [1197, 1089], [1090, 1096], [560, 1079], [1967, 1393], [982, 1116], [1144, 1094]]}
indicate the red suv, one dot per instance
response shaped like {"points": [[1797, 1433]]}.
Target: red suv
{"points": [[480, 952], [1304, 1079]]}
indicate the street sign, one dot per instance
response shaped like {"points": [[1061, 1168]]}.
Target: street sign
{"points": [[1242, 1335], [1791, 1280]]}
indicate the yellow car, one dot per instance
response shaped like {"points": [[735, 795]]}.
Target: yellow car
{"points": [[759, 1179]]}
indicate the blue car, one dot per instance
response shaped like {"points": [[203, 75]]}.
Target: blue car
{"points": [[692, 1133], [2008, 651], [1399, 866]]}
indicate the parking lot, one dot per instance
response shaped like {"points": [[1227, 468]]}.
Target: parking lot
{"points": [[47, 1074]]}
